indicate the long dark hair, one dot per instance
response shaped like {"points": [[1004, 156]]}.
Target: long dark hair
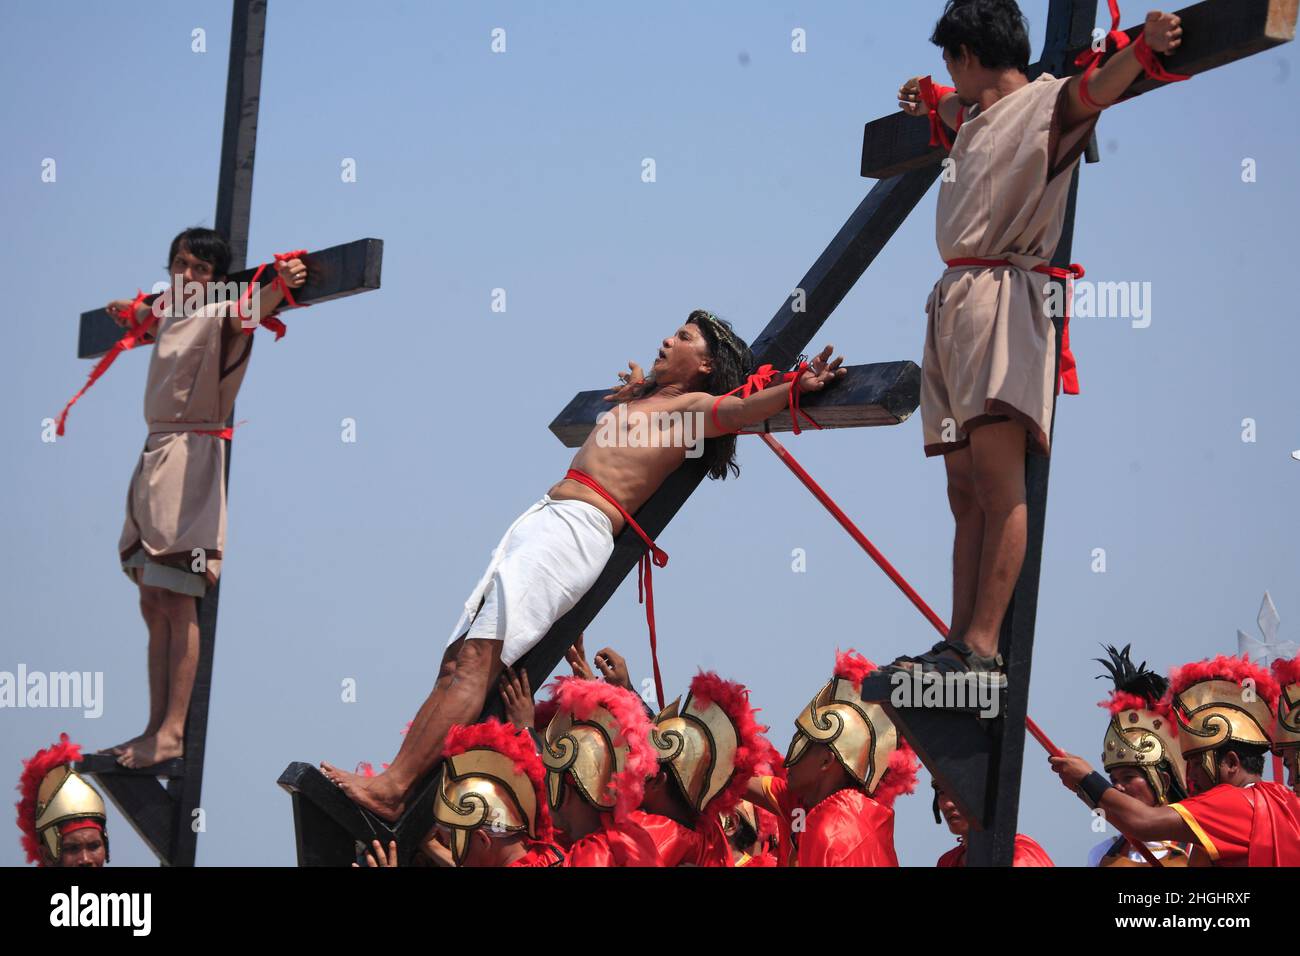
{"points": [[206, 244], [732, 361]]}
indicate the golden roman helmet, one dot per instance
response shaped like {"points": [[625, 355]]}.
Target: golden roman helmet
{"points": [[55, 798], [698, 741], [1214, 707], [858, 732], [480, 787], [607, 752], [1286, 732], [1142, 731]]}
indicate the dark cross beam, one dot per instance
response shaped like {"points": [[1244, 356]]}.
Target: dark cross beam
{"points": [[979, 762], [163, 815], [1216, 32]]}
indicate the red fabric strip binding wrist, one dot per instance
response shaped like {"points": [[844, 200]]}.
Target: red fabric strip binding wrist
{"points": [[932, 94], [1151, 63]]}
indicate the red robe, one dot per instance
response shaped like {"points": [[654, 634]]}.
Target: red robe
{"points": [[848, 828], [1027, 853], [615, 844], [683, 846], [541, 854], [1256, 825]]}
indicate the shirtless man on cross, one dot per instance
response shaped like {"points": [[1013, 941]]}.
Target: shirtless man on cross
{"points": [[556, 550]]}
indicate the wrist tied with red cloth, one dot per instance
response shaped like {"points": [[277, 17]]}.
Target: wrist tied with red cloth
{"points": [[932, 94], [140, 330], [653, 557], [1116, 40], [1068, 378], [761, 379], [272, 321]]}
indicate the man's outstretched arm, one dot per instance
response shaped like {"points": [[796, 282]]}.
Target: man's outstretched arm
{"points": [[1163, 33], [1133, 817], [733, 414]]}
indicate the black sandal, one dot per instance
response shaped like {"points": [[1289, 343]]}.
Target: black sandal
{"points": [[939, 660]]}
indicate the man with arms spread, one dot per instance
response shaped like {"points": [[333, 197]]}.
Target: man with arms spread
{"points": [[989, 372], [555, 551]]}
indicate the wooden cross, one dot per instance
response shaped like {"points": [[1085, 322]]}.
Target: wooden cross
{"points": [[163, 815], [977, 762]]}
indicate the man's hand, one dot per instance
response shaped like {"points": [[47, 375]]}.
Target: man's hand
{"points": [[577, 659], [376, 857], [1071, 770], [437, 851], [634, 384], [1163, 31], [517, 697], [909, 98], [293, 272], [120, 311], [613, 668], [821, 371]]}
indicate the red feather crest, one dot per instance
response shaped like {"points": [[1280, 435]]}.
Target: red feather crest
{"points": [[509, 740], [900, 778], [1287, 672], [1120, 700], [754, 752], [852, 666], [34, 771], [581, 697], [1235, 669]]}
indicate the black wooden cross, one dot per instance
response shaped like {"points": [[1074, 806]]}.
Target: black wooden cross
{"points": [[163, 815], [978, 762]]}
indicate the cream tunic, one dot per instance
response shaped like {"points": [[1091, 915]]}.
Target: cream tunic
{"points": [[177, 498], [990, 346]]}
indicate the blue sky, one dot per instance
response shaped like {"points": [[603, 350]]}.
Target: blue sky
{"points": [[522, 171]]}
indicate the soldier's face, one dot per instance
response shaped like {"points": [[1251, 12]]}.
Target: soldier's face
{"points": [[83, 847], [1133, 782], [957, 823]]}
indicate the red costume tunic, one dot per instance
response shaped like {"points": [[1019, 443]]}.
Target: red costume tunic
{"points": [[615, 844], [1255, 825], [848, 828], [684, 846], [1027, 853], [541, 854]]}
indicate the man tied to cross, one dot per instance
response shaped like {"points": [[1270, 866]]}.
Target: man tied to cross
{"points": [[553, 553], [988, 371], [176, 503]]}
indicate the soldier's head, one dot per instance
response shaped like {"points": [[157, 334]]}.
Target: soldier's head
{"points": [[82, 846], [1235, 764], [199, 255], [945, 808], [981, 38]]}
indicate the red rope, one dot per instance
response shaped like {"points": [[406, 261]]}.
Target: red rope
{"points": [[1116, 40], [931, 95], [1068, 377], [652, 558]]}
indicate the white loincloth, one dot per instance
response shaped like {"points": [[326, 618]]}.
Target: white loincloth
{"points": [[545, 563]]}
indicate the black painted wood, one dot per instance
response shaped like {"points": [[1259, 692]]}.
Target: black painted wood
{"points": [[885, 393], [330, 829], [332, 273], [1217, 32]]}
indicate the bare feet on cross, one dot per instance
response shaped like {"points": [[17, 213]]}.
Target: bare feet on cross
{"points": [[378, 794], [153, 749]]}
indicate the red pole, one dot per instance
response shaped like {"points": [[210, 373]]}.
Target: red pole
{"points": [[1056, 751]]}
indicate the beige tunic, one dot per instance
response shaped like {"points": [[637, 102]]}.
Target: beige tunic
{"points": [[177, 499], [990, 348]]}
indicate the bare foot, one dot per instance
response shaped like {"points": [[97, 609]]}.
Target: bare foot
{"points": [[124, 744], [148, 751], [376, 794]]}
